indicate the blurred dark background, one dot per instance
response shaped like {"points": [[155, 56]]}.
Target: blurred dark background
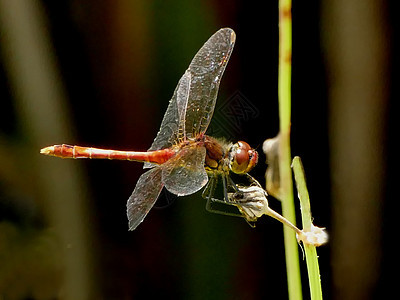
{"points": [[101, 73]]}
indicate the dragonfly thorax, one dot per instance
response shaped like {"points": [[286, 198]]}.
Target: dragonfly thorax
{"points": [[216, 153]]}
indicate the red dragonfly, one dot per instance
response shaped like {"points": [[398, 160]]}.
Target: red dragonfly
{"points": [[182, 157]]}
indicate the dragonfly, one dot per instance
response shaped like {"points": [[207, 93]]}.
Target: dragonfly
{"points": [[182, 158]]}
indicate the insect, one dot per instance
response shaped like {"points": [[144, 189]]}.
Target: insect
{"points": [[182, 158]]}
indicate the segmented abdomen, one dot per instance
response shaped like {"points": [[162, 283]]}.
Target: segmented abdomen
{"points": [[68, 151]]}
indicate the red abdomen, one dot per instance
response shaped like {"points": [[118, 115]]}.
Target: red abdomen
{"points": [[68, 151]]}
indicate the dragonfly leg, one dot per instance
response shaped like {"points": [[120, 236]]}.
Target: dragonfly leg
{"points": [[225, 188], [217, 206], [252, 224], [232, 184], [209, 189], [208, 192], [252, 180]]}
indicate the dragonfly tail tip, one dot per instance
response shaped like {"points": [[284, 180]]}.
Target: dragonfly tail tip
{"points": [[47, 150]]}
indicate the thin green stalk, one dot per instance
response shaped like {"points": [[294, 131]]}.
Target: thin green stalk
{"points": [[284, 94], [310, 250]]}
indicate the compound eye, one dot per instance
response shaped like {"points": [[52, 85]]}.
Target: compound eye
{"points": [[242, 153], [240, 157]]}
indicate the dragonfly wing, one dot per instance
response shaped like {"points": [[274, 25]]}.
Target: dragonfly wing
{"points": [[172, 123], [191, 107], [184, 174], [206, 70], [145, 194]]}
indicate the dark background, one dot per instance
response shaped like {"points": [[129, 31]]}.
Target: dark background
{"points": [[105, 72]]}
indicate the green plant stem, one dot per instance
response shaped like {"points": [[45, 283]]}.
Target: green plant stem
{"points": [[310, 250], [284, 94]]}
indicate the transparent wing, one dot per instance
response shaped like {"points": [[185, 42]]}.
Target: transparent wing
{"points": [[206, 71], [145, 194], [184, 174], [174, 117], [192, 105]]}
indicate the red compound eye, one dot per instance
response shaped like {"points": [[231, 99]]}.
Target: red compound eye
{"points": [[243, 158], [242, 154]]}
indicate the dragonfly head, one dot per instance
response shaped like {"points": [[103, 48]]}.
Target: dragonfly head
{"points": [[242, 158]]}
